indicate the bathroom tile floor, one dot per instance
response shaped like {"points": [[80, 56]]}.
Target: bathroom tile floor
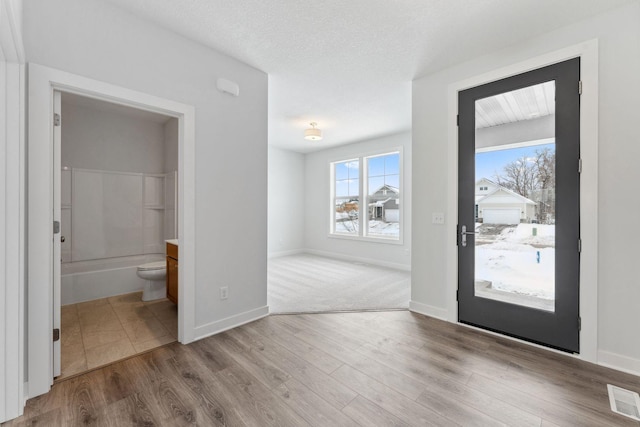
{"points": [[99, 332]]}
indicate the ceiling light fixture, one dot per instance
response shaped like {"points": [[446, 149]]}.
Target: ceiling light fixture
{"points": [[313, 133]]}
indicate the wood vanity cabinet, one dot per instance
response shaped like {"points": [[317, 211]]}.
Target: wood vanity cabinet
{"points": [[172, 273]]}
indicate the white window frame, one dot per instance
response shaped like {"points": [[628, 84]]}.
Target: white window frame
{"points": [[363, 216]]}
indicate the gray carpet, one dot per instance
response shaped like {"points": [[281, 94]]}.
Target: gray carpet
{"points": [[310, 283]]}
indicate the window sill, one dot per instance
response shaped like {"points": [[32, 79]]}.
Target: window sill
{"points": [[382, 240]]}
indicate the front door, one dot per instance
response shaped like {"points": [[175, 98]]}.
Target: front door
{"points": [[518, 206]]}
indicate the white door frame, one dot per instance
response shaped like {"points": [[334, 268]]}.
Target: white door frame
{"points": [[588, 53], [12, 232], [42, 83]]}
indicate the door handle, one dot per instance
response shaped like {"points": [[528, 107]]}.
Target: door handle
{"points": [[463, 235], [62, 239]]}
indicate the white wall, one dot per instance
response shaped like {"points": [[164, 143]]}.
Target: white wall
{"points": [[619, 90], [317, 204], [171, 145], [96, 39], [286, 202], [108, 141]]}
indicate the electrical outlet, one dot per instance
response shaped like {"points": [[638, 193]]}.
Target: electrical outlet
{"points": [[437, 217], [224, 292]]}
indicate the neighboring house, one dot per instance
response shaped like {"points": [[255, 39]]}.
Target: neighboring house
{"points": [[384, 204], [498, 205]]}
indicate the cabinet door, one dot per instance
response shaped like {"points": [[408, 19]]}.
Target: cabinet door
{"points": [[172, 280]]}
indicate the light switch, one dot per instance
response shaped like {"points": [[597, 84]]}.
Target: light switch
{"points": [[437, 218]]}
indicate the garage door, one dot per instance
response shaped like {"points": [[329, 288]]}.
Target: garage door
{"points": [[501, 216]]}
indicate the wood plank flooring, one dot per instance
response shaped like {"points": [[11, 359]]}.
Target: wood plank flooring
{"points": [[346, 369]]}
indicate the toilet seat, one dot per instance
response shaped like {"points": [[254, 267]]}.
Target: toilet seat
{"points": [[157, 265]]}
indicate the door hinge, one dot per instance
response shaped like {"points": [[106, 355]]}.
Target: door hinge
{"points": [[56, 227], [56, 119], [457, 295], [458, 120], [579, 87], [579, 323], [579, 245], [579, 165], [56, 335]]}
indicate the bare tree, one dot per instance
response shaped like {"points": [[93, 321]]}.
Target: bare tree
{"points": [[533, 178], [519, 176], [546, 170]]}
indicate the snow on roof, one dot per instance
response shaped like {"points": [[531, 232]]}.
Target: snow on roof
{"points": [[506, 190], [485, 180], [388, 187]]}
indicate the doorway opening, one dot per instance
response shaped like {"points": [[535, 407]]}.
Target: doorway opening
{"points": [[116, 197], [44, 238]]}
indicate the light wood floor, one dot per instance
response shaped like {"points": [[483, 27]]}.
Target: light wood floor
{"points": [[102, 331], [346, 369]]}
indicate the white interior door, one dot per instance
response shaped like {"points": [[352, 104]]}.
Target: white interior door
{"points": [[57, 218]]}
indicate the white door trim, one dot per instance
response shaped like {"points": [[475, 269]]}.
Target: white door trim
{"points": [[42, 83], [588, 52], [12, 180]]}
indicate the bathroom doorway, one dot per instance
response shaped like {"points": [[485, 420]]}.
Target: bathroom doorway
{"points": [[42, 314], [116, 200]]}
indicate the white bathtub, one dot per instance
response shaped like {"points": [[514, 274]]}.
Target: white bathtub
{"points": [[88, 280]]}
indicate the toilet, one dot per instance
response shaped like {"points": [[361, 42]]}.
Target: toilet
{"points": [[154, 274]]}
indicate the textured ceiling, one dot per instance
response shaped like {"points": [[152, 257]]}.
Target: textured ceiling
{"points": [[348, 65]]}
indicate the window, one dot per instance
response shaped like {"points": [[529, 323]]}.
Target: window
{"points": [[366, 197]]}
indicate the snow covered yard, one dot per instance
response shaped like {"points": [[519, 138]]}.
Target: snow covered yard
{"points": [[514, 260], [377, 228]]}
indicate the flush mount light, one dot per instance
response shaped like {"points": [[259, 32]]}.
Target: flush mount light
{"points": [[313, 133]]}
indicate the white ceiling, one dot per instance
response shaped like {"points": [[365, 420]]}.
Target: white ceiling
{"points": [[348, 65], [531, 102]]}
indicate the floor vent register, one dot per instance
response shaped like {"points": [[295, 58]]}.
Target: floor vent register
{"points": [[624, 402]]}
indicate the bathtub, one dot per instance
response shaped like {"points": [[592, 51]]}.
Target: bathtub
{"points": [[88, 280]]}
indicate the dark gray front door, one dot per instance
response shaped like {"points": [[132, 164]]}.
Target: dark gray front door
{"points": [[518, 204]]}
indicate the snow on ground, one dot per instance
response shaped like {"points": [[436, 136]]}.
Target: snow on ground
{"points": [[378, 228], [509, 259]]}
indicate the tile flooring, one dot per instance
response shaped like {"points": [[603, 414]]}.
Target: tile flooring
{"points": [[99, 332]]}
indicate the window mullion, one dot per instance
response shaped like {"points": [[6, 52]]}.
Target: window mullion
{"points": [[364, 207]]}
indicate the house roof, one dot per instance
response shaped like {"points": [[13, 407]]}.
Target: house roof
{"points": [[486, 180], [388, 187], [522, 199]]}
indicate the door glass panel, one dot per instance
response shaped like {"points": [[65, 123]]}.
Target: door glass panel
{"points": [[515, 164]]}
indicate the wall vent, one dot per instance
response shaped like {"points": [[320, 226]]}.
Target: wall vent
{"points": [[624, 402]]}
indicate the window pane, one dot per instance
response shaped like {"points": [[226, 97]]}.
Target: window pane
{"points": [[392, 180], [383, 199], [347, 212], [347, 193], [342, 188], [375, 184], [342, 171], [375, 166], [515, 244], [354, 187], [392, 164]]}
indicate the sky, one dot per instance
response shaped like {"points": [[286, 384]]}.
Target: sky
{"points": [[491, 163]]}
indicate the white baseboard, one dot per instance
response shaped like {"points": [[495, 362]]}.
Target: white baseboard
{"points": [[284, 253], [428, 310], [351, 258], [619, 362], [230, 322]]}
